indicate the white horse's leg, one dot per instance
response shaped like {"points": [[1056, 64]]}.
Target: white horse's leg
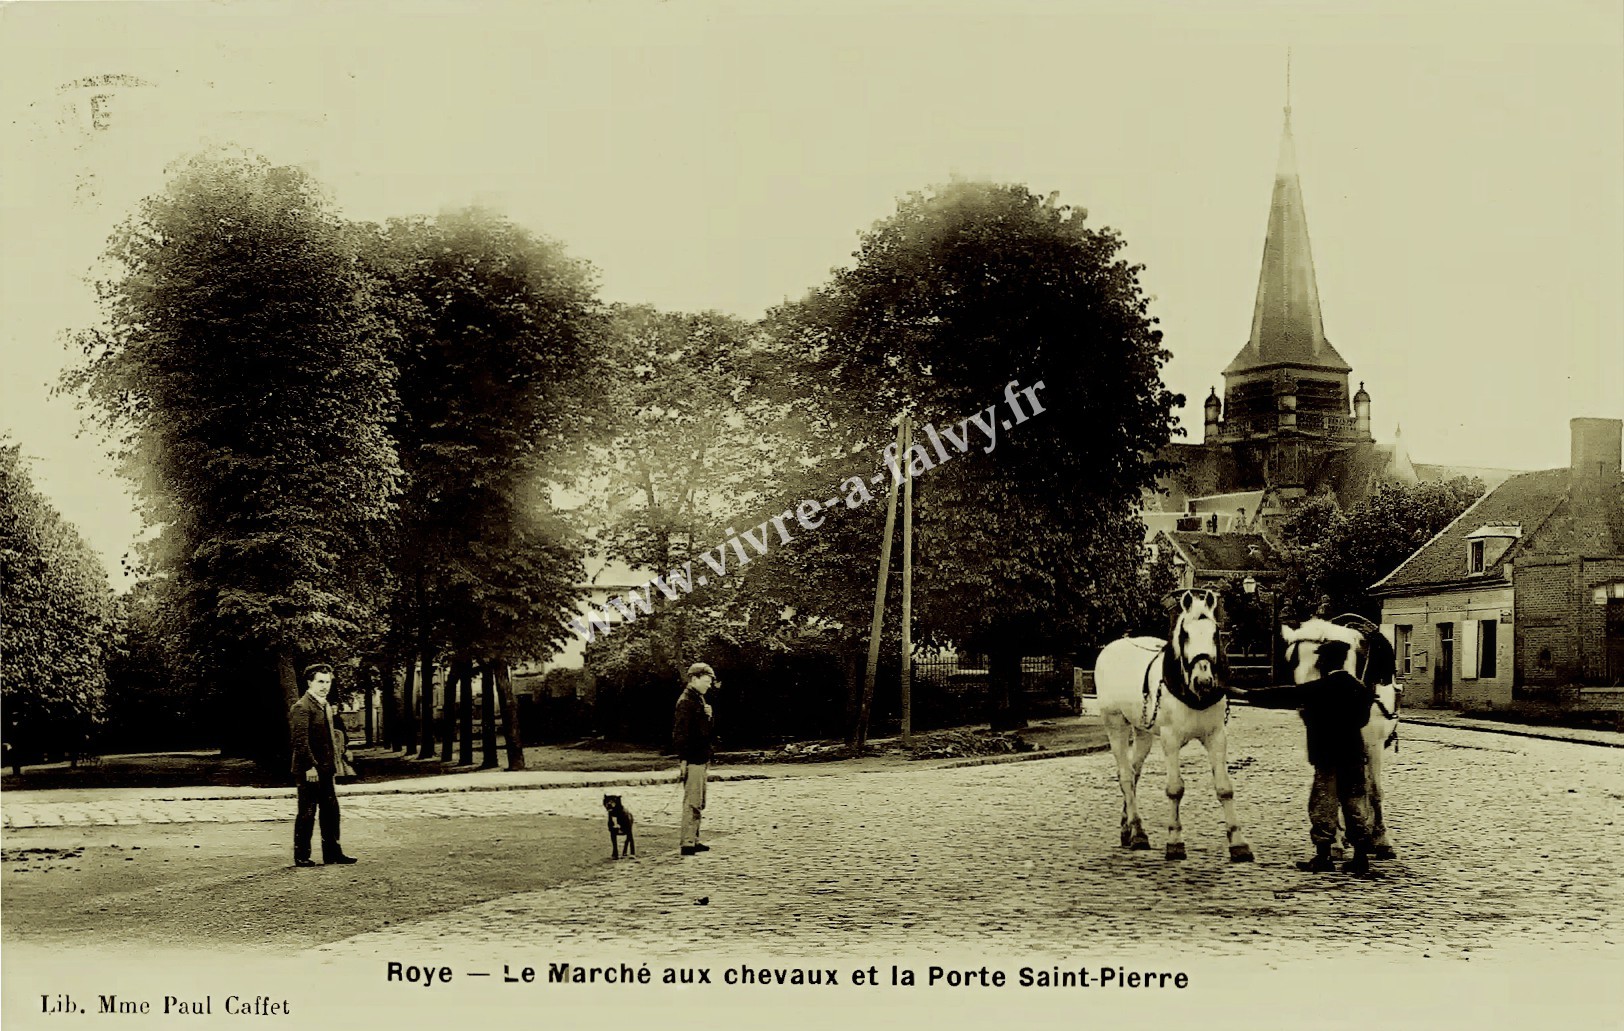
{"points": [[1376, 754], [1124, 746], [1172, 744], [1142, 742], [1218, 753]]}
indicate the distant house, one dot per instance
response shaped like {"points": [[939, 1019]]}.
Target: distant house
{"points": [[1522, 596], [1203, 559]]}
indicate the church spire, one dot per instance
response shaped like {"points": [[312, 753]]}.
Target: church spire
{"points": [[1286, 324]]}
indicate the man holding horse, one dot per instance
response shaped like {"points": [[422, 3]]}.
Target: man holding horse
{"points": [[1336, 705]]}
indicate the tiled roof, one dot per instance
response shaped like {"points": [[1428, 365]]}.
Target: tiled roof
{"points": [[1556, 519], [1231, 552]]}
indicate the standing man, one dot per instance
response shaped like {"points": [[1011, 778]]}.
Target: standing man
{"points": [[310, 723], [694, 737]]}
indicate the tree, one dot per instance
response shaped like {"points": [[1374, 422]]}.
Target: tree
{"points": [[701, 435], [969, 287], [1342, 555], [499, 383], [55, 624], [241, 373], [152, 702]]}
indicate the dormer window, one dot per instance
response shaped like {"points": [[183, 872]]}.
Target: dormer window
{"points": [[1486, 544]]}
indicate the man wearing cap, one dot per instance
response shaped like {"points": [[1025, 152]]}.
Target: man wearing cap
{"points": [[693, 737], [310, 724]]}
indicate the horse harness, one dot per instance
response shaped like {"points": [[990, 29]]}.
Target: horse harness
{"points": [[1173, 681], [1364, 626]]}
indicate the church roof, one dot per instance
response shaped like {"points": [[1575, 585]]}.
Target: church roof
{"points": [[1286, 324]]}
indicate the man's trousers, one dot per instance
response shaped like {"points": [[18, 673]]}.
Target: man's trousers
{"points": [[693, 802], [321, 797]]}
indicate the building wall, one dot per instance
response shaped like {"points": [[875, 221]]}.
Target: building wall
{"points": [[1547, 633], [1561, 637], [1423, 613], [1592, 618]]}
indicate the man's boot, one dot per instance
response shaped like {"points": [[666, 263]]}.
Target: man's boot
{"points": [[1321, 863], [1359, 865]]}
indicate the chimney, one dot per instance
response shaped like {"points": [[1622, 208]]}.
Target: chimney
{"points": [[1597, 447], [1593, 496]]}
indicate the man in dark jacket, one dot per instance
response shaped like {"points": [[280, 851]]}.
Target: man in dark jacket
{"points": [[693, 737], [310, 724]]}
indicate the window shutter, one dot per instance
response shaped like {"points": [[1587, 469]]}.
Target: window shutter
{"points": [[1467, 646]]}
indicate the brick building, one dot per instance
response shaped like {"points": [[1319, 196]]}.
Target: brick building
{"points": [[1521, 598]]}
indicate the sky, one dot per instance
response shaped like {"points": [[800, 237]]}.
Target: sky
{"points": [[1462, 168]]}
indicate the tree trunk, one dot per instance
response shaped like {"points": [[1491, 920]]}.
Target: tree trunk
{"points": [[425, 689], [510, 717], [366, 707], [487, 716], [852, 664], [275, 750], [465, 755], [404, 732], [456, 679], [288, 678], [1004, 690]]}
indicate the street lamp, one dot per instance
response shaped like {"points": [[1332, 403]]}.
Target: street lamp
{"points": [[1272, 598]]}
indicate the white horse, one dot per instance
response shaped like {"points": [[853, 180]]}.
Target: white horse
{"points": [[1358, 646], [1151, 688]]}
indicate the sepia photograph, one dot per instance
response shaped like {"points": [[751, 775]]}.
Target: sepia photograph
{"points": [[712, 514]]}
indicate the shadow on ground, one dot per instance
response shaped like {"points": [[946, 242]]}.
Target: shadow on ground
{"points": [[233, 886]]}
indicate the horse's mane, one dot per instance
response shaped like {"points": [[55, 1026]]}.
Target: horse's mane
{"points": [[1381, 661]]}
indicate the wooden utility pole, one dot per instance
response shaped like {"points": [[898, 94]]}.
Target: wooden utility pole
{"points": [[860, 732], [907, 580]]}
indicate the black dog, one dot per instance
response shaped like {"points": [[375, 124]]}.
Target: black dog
{"points": [[620, 822]]}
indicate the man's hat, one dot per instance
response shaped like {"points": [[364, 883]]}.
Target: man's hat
{"points": [[700, 669]]}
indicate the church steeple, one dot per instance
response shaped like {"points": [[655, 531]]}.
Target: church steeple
{"points": [[1286, 324]]}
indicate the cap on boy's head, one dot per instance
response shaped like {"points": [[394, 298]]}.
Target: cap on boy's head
{"points": [[317, 667], [700, 669]]}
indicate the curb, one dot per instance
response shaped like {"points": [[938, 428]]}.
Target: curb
{"points": [[632, 781], [1510, 730], [1424, 718], [1026, 757]]}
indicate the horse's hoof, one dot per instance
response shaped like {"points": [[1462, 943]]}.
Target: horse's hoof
{"points": [[1175, 850], [1383, 852], [1241, 854], [1139, 843]]}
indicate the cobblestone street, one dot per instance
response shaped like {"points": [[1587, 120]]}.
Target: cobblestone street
{"points": [[1501, 840]]}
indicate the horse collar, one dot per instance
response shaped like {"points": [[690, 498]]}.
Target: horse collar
{"points": [[1179, 687]]}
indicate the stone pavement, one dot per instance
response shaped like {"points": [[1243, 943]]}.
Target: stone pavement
{"points": [[1502, 839], [1504, 842]]}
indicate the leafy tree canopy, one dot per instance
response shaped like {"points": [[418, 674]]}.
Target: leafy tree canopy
{"points": [[1342, 555], [55, 622], [969, 287]]}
